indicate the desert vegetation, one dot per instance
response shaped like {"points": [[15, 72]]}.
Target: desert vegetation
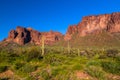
{"points": [[59, 63]]}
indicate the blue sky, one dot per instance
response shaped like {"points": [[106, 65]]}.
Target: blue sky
{"points": [[46, 15]]}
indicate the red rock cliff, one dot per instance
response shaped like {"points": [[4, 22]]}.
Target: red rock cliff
{"points": [[95, 24], [28, 35], [89, 25]]}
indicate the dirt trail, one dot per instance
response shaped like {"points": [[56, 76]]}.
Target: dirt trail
{"points": [[7, 73], [84, 76]]}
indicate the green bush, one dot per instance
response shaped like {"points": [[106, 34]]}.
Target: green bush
{"points": [[96, 72], [93, 63], [31, 77], [3, 68], [117, 59], [112, 67], [9, 57], [18, 65], [77, 67], [45, 75], [28, 68], [111, 52], [33, 54], [65, 76], [54, 59]]}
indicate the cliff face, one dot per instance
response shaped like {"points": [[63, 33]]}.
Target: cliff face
{"points": [[71, 30], [89, 25], [28, 35], [95, 24]]}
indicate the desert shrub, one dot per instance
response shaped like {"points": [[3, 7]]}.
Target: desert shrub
{"points": [[60, 73], [112, 67], [108, 53], [2, 57], [52, 50], [57, 70], [28, 68], [117, 58], [65, 76], [102, 56], [3, 68], [72, 53], [96, 72], [45, 75], [33, 54], [77, 67], [18, 65], [93, 63], [96, 56], [84, 53], [30, 77], [111, 52], [89, 53], [4, 78], [54, 59], [9, 57]]}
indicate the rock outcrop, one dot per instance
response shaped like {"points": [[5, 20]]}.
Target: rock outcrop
{"points": [[71, 30], [28, 35], [89, 25], [95, 24]]}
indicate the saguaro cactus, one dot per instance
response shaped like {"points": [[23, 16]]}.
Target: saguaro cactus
{"points": [[68, 47], [78, 52], [43, 45]]}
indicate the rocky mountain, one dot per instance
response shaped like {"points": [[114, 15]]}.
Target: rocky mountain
{"points": [[28, 35], [95, 24]]}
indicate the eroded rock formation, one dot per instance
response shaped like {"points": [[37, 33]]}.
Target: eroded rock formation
{"points": [[28, 35], [95, 24], [89, 25]]}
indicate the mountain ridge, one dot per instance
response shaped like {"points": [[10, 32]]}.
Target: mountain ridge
{"points": [[28, 35], [96, 24]]}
